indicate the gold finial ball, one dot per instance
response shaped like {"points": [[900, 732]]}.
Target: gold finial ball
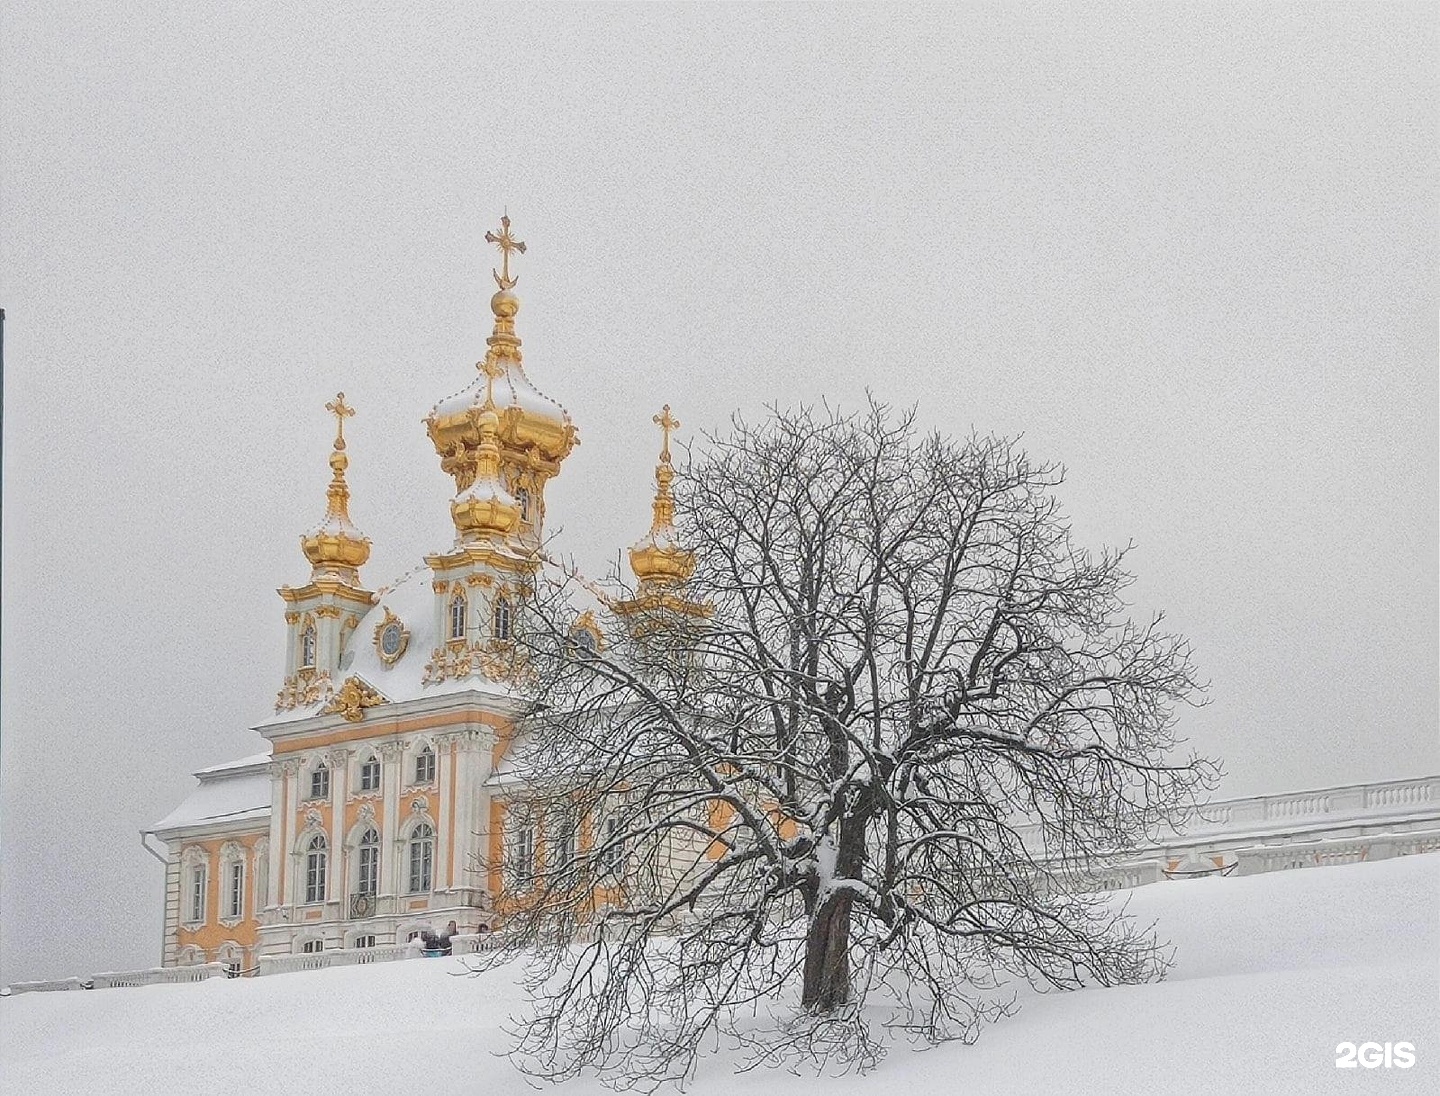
{"points": [[489, 421], [339, 461], [505, 304]]}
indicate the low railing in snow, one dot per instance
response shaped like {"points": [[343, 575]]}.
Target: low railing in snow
{"points": [[155, 976]]}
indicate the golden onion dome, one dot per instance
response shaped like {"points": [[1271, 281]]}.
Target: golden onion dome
{"points": [[657, 558], [485, 510], [530, 425], [335, 547]]}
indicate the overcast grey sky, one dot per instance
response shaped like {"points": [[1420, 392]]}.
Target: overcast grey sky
{"points": [[1187, 250]]}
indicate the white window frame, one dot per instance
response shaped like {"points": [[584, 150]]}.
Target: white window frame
{"points": [[425, 755], [197, 887], [316, 869], [370, 765], [420, 860], [521, 849], [362, 847], [612, 860], [313, 946], [309, 646], [459, 617], [319, 774], [502, 619], [235, 889]]}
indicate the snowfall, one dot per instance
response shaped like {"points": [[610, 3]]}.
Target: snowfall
{"points": [[1272, 973]]}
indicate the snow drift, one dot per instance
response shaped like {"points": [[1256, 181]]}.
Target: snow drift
{"points": [[1272, 972]]}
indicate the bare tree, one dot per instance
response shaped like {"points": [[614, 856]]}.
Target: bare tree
{"points": [[877, 779]]}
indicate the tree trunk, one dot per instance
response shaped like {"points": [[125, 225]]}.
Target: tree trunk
{"points": [[827, 956]]}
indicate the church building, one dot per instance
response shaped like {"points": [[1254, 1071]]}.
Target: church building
{"points": [[378, 808]]}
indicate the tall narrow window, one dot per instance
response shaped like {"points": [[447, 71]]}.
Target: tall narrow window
{"points": [[522, 850], [319, 782], [457, 616], [425, 766], [422, 858], [315, 865], [197, 894], [612, 852], [235, 890], [369, 863], [502, 618], [522, 496], [307, 646], [370, 775]]}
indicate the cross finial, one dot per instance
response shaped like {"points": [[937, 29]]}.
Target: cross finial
{"points": [[507, 243], [667, 423], [342, 411]]}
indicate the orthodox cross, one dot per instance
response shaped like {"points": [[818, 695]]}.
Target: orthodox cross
{"points": [[342, 411], [667, 422], [507, 243]]}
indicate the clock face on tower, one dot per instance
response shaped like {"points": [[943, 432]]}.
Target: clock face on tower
{"points": [[391, 637]]}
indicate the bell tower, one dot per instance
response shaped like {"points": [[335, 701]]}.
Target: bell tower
{"points": [[322, 615]]}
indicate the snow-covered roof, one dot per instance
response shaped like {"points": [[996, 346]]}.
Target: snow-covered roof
{"points": [[412, 600], [235, 792]]}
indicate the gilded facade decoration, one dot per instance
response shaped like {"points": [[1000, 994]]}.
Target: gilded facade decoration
{"points": [[303, 688], [353, 697]]}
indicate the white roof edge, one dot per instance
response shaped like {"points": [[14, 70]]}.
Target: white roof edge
{"points": [[254, 762], [218, 822]]}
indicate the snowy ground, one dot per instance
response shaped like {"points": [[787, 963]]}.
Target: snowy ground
{"points": [[1273, 971]]}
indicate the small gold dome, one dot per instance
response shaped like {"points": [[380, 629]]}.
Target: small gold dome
{"points": [[335, 547]]}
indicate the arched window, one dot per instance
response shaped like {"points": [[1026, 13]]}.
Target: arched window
{"points": [[522, 496], [370, 774], [584, 640], [319, 782], [457, 616], [502, 618], [425, 766], [307, 646], [422, 858], [315, 865], [368, 863]]}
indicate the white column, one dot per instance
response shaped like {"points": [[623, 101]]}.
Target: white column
{"points": [[392, 757], [282, 876], [277, 834], [444, 810], [338, 884]]}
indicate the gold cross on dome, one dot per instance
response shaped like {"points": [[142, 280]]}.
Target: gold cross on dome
{"points": [[667, 422], [507, 243], [342, 411]]}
